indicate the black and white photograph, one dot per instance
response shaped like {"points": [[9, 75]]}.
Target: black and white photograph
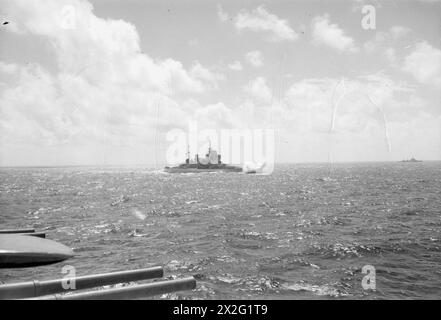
{"points": [[182, 152]]}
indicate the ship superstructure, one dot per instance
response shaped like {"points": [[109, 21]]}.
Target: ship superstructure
{"points": [[211, 162]]}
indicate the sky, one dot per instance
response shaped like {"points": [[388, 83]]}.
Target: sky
{"points": [[103, 82]]}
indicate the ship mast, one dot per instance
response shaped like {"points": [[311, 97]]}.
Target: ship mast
{"points": [[209, 151], [187, 161]]}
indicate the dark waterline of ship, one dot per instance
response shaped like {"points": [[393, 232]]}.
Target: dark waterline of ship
{"points": [[303, 232]]}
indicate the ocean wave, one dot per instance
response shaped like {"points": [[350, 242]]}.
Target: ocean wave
{"points": [[340, 251], [318, 290]]}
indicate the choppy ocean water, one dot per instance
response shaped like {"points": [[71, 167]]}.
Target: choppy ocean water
{"points": [[303, 232]]}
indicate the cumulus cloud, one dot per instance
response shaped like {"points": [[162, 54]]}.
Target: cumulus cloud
{"points": [[8, 68], [383, 38], [105, 99], [206, 75], [385, 42], [321, 95], [217, 116], [258, 89], [260, 20], [235, 66], [104, 90], [326, 33], [424, 64], [355, 120], [254, 58], [222, 15]]}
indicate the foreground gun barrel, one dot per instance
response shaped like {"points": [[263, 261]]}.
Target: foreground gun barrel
{"points": [[10, 231], [33, 234], [133, 292], [37, 288]]}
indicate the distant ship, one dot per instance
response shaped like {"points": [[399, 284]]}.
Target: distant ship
{"points": [[411, 160], [212, 162]]}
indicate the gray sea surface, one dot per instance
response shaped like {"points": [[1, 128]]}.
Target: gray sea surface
{"points": [[303, 232]]}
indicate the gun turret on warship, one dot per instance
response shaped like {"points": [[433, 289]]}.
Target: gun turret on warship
{"points": [[210, 163], [411, 160]]}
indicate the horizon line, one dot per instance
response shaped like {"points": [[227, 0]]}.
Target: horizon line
{"points": [[150, 165]]}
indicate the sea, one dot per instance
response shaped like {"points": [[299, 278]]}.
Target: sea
{"points": [[306, 231]]}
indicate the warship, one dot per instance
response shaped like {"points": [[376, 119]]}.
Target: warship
{"points": [[210, 163], [411, 160]]}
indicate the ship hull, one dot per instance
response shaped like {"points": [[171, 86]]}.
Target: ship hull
{"points": [[198, 170], [211, 163]]}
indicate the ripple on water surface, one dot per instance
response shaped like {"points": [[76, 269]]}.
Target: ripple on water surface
{"points": [[303, 232]]}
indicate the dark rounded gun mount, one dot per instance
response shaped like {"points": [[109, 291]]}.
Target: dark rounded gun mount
{"points": [[21, 248]]}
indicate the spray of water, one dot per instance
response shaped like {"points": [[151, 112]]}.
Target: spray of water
{"points": [[138, 214]]}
